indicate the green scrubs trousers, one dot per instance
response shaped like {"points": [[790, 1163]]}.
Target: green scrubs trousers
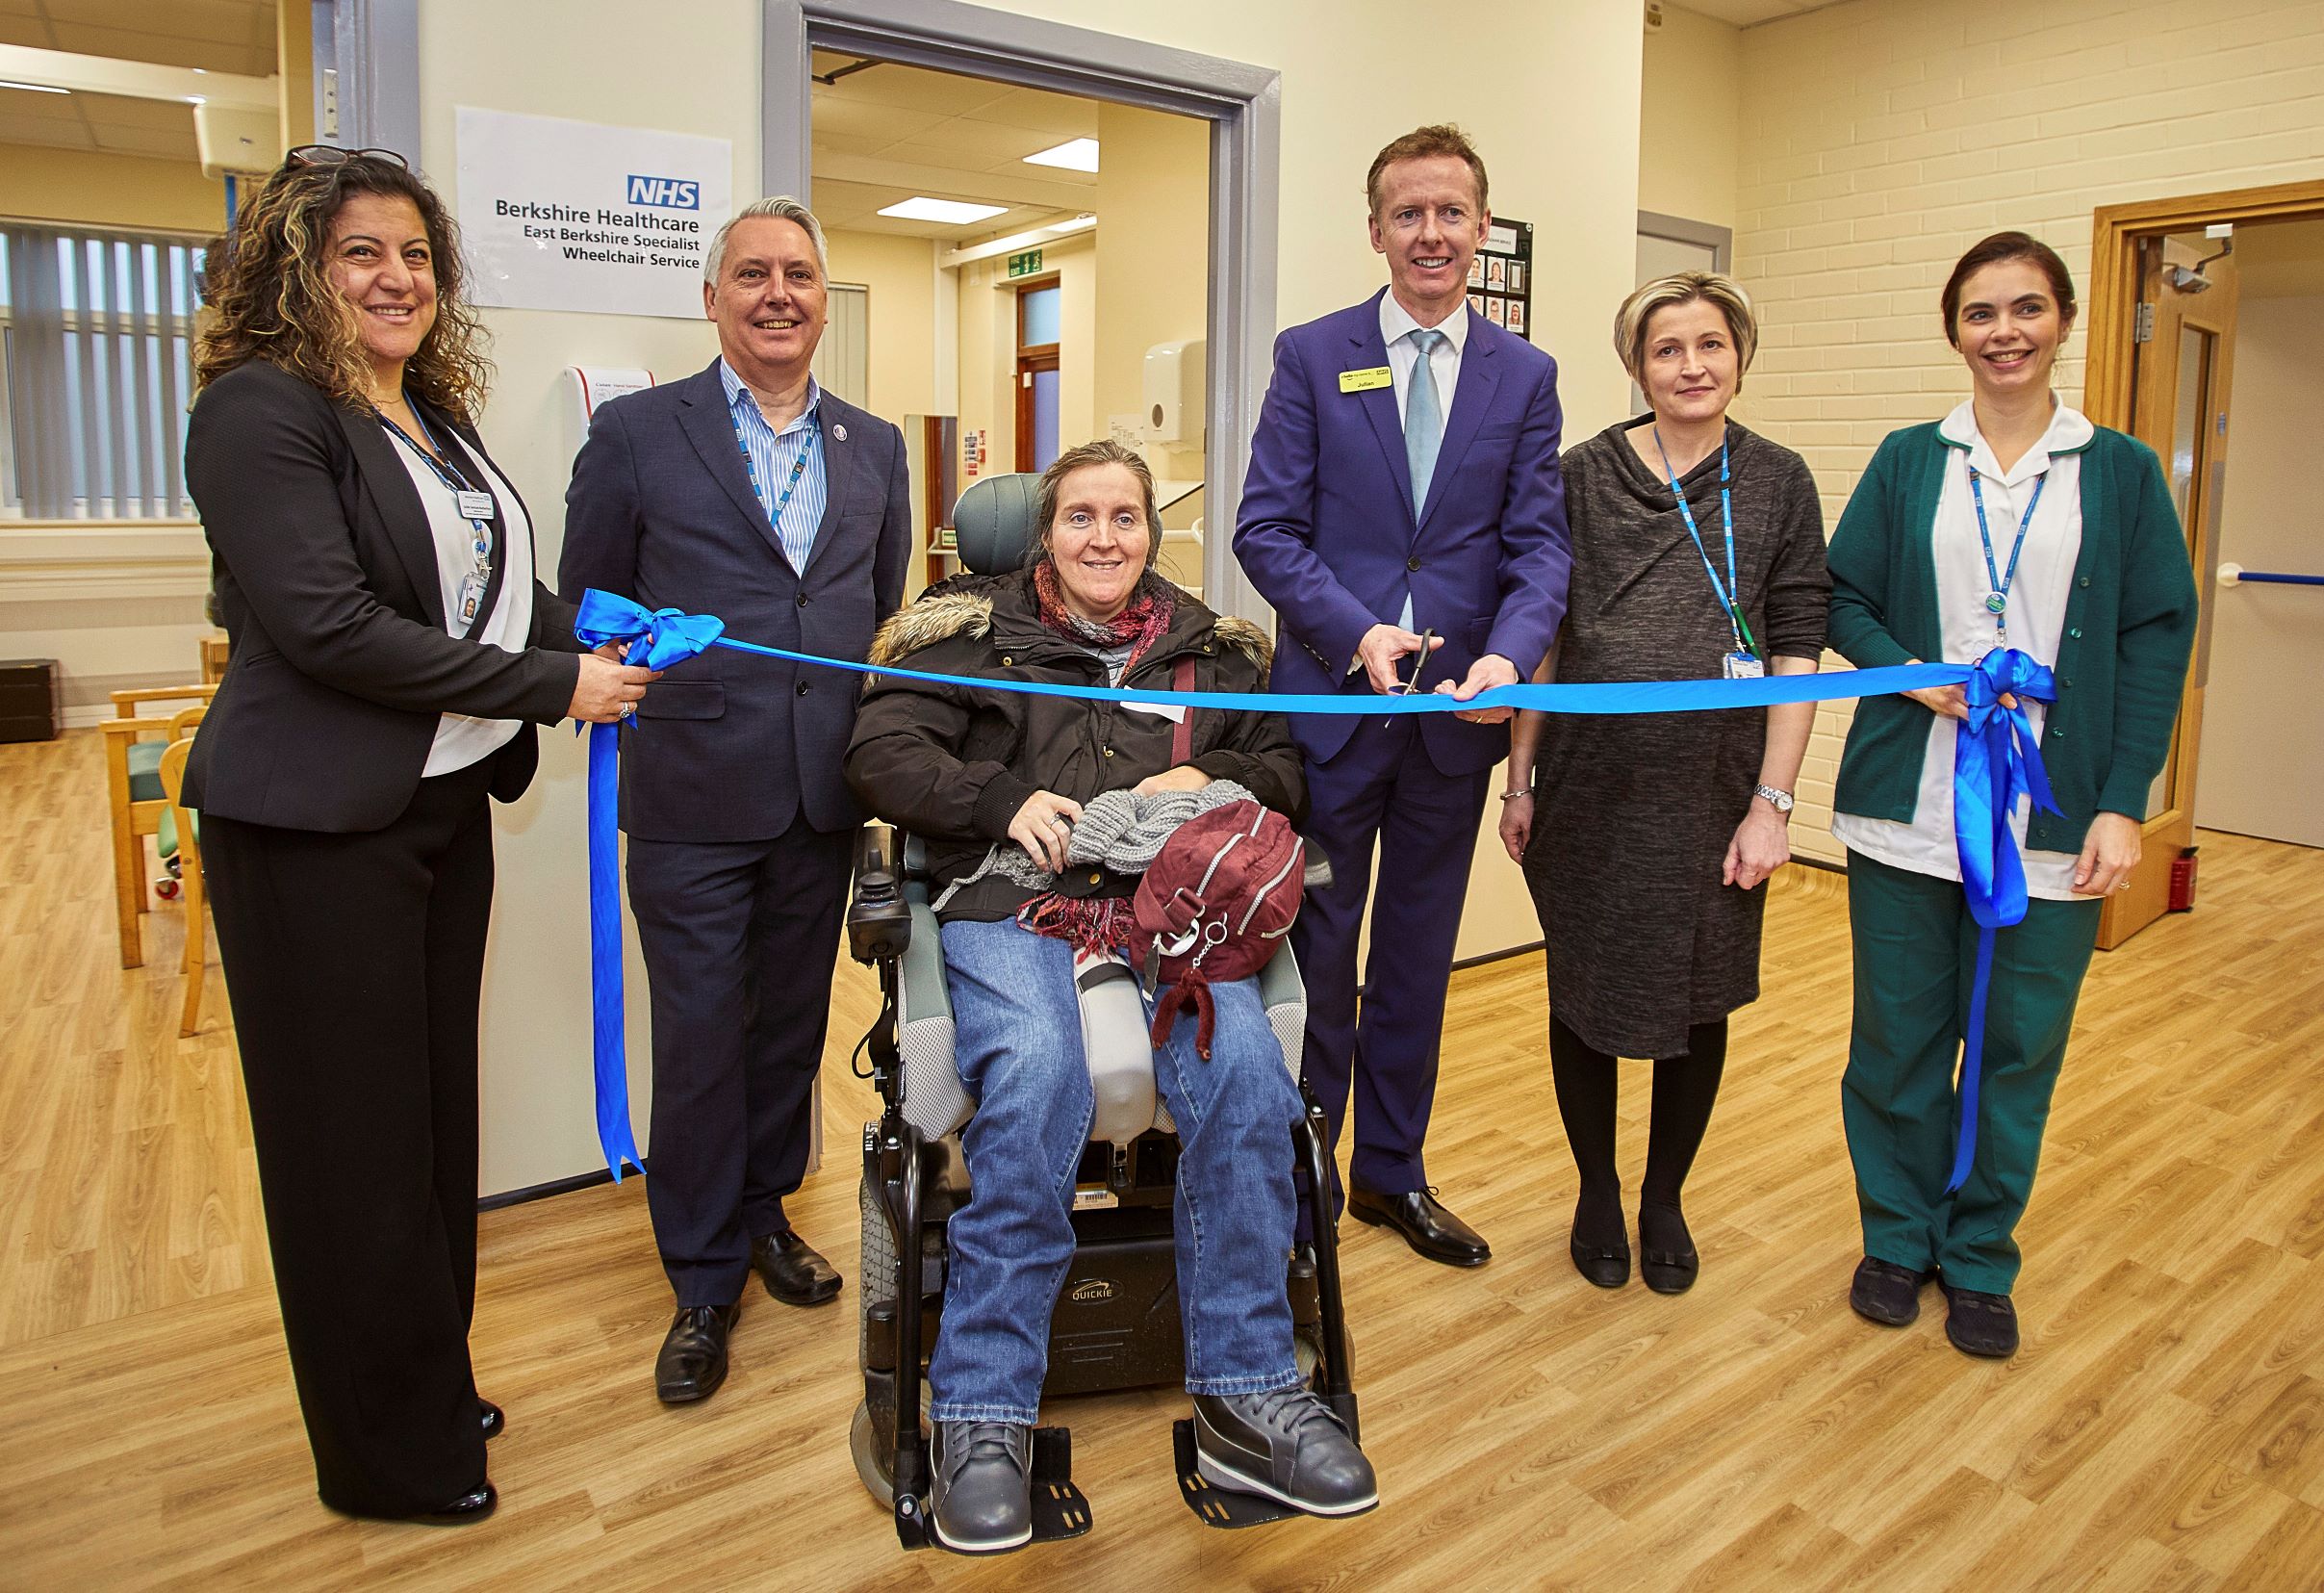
{"points": [[1915, 960]]}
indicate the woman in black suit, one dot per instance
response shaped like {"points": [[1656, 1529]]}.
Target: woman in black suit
{"points": [[391, 652]]}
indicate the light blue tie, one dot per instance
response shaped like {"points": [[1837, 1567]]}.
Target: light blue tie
{"points": [[1424, 417]]}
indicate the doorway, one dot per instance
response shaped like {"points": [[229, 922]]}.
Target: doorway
{"points": [[2164, 329], [1238, 103], [1040, 314]]}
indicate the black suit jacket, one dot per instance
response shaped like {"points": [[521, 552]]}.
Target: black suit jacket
{"points": [[729, 746], [325, 573]]}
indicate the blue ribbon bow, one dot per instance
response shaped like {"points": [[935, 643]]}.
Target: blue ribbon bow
{"points": [[667, 637], [1996, 759]]}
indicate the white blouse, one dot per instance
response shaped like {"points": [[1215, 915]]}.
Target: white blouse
{"points": [[460, 740], [2036, 618]]}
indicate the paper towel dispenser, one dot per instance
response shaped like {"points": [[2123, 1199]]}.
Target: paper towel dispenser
{"points": [[1177, 392]]}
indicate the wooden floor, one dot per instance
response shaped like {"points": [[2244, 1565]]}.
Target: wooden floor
{"points": [[2163, 1426]]}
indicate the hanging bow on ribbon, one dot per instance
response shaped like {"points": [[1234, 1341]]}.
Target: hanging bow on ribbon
{"points": [[670, 637], [657, 641], [1996, 759]]}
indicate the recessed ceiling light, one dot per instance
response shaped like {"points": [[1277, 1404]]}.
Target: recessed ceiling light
{"points": [[952, 212], [36, 88], [1074, 154]]}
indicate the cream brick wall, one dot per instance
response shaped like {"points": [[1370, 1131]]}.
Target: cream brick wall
{"points": [[1880, 138]]}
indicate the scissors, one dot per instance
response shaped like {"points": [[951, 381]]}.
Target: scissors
{"points": [[1405, 688]]}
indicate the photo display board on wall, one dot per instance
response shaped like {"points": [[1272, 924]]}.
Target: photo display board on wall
{"points": [[1500, 276]]}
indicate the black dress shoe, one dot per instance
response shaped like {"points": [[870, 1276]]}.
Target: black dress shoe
{"points": [[1885, 1293], [1979, 1324], [1425, 1224], [792, 1271], [1608, 1269], [1672, 1267], [473, 1505], [496, 1420], [693, 1361]]}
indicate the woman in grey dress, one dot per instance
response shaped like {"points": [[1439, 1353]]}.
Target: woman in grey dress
{"points": [[1645, 838]]}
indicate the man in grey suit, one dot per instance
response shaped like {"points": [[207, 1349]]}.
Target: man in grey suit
{"points": [[748, 492]]}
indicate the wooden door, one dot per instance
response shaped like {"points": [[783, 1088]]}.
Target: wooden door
{"points": [[2184, 362]]}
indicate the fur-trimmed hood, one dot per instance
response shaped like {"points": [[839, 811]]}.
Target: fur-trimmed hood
{"points": [[963, 605]]}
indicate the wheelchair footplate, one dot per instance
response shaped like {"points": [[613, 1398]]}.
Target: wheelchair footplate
{"points": [[1218, 1507], [1058, 1508]]}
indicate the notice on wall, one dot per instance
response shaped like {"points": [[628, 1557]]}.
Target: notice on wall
{"points": [[1500, 276], [562, 214]]}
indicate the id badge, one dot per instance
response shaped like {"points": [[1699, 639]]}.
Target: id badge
{"points": [[472, 598], [476, 506], [1742, 666]]}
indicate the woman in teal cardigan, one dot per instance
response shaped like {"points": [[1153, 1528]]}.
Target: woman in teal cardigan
{"points": [[2015, 523]]}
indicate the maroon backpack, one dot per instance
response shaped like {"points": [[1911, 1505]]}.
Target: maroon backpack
{"points": [[1218, 898]]}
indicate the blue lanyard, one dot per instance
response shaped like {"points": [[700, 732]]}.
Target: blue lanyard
{"points": [[1726, 593], [799, 466], [1997, 597]]}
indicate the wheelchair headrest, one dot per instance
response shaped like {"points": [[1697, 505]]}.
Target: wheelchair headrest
{"points": [[998, 524]]}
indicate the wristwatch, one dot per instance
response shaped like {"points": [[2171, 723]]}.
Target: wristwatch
{"points": [[1780, 801]]}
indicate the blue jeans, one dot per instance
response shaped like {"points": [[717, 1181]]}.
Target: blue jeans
{"points": [[1017, 1042]]}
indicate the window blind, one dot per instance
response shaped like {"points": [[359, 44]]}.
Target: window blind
{"points": [[97, 335]]}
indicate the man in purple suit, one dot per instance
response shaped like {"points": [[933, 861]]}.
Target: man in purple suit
{"points": [[1403, 480]]}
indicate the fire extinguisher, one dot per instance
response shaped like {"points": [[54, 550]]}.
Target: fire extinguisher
{"points": [[2182, 879]]}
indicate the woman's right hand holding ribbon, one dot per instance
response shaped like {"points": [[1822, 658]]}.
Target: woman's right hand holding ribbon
{"points": [[605, 690]]}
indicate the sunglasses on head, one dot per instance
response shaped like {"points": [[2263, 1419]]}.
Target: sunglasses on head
{"points": [[330, 154]]}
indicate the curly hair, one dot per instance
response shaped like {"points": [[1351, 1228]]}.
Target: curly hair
{"points": [[271, 296]]}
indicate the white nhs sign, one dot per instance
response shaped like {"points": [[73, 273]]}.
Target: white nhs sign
{"points": [[665, 193]]}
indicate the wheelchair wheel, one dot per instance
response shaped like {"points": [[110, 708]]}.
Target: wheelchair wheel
{"points": [[873, 1459], [877, 1284]]}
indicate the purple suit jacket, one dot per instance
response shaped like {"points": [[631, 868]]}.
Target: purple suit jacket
{"points": [[1329, 533]]}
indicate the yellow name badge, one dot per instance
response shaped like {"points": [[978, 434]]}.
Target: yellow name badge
{"points": [[1364, 381]]}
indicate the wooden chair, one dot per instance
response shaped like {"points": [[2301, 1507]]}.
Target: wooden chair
{"points": [[182, 833], [132, 761], [213, 659]]}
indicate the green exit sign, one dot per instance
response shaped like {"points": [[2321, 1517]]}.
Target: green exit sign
{"points": [[1028, 264]]}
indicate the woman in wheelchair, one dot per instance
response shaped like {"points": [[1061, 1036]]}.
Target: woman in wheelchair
{"points": [[994, 782]]}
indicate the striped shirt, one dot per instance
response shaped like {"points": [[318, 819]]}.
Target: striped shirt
{"points": [[773, 455]]}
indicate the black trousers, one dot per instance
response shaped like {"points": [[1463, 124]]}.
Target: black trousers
{"points": [[355, 964], [739, 938]]}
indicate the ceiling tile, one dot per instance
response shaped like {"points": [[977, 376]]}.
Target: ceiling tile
{"points": [[30, 104], [911, 88], [49, 134], [175, 145], [884, 123], [211, 56], [120, 111], [1063, 115]]}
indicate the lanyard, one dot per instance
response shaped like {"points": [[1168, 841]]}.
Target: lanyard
{"points": [[1727, 595], [1997, 597], [478, 507], [799, 466]]}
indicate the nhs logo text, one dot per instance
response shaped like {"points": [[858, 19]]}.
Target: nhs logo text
{"points": [[665, 193]]}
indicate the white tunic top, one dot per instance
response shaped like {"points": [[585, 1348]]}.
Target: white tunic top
{"points": [[2036, 621], [461, 740]]}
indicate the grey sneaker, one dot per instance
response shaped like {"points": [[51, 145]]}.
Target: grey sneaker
{"points": [[981, 1498], [1286, 1444]]}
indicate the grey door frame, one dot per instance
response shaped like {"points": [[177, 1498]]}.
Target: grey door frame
{"points": [[1243, 105], [375, 45]]}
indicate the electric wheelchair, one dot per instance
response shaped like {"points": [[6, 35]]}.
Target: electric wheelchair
{"points": [[1116, 1322]]}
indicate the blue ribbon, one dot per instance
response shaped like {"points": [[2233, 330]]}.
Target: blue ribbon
{"points": [[1996, 759], [660, 638]]}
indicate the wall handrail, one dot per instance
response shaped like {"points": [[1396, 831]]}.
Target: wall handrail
{"points": [[2235, 575]]}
